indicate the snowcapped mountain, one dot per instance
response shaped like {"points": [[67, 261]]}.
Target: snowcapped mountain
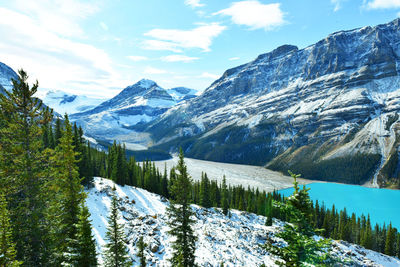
{"points": [[328, 111], [6, 73], [233, 240], [139, 103], [63, 102]]}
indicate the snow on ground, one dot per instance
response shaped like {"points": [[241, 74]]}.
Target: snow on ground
{"points": [[233, 240], [236, 174]]}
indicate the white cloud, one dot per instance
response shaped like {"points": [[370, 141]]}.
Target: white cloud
{"points": [[193, 3], [161, 45], [178, 58], [151, 70], [104, 26], [383, 4], [174, 40], [137, 58], [337, 4], [209, 75], [56, 61], [60, 16], [255, 14], [234, 58]]}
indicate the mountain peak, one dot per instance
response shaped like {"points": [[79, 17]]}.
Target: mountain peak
{"points": [[146, 83]]}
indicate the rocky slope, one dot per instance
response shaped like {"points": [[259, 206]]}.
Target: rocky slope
{"points": [[328, 111], [234, 240]]}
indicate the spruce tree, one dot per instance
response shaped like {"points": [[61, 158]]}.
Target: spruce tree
{"points": [[180, 217], [69, 194], [7, 246], [115, 251], [57, 132], [225, 202], [86, 244], [205, 200], [141, 246], [23, 169], [390, 241]]}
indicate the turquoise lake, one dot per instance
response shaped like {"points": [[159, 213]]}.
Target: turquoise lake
{"points": [[383, 205]]}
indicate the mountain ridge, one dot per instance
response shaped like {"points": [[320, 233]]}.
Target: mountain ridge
{"points": [[296, 108]]}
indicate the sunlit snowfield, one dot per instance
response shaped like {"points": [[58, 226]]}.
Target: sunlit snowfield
{"points": [[236, 174]]}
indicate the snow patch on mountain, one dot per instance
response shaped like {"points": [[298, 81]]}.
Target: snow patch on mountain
{"points": [[63, 102]]}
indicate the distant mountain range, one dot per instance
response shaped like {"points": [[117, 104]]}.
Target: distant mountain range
{"points": [[328, 111]]}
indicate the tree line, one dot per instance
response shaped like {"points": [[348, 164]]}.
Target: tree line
{"points": [[331, 223]]}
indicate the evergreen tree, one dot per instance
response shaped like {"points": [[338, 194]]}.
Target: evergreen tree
{"points": [[58, 132], [86, 244], [269, 211], [23, 169], [69, 194], [225, 203], [141, 246], [390, 241], [205, 200], [7, 246], [180, 218], [115, 251]]}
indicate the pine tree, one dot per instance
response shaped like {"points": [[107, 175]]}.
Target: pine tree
{"points": [[269, 211], [86, 244], [69, 195], [205, 200], [141, 246], [225, 202], [58, 132], [7, 246], [390, 241], [23, 169], [115, 251], [180, 218]]}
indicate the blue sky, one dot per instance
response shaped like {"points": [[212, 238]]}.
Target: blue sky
{"points": [[99, 47]]}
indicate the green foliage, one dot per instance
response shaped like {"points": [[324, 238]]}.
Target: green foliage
{"points": [[354, 169], [7, 246], [205, 200], [68, 195], [180, 218], [301, 248], [23, 169], [225, 200], [86, 244], [141, 247], [115, 251]]}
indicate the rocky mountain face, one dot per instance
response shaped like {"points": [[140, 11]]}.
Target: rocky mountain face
{"points": [[6, 74], [328, 111], [142, 102]]}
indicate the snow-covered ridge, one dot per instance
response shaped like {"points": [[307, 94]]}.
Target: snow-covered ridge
{"points": [[234, 240]]}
